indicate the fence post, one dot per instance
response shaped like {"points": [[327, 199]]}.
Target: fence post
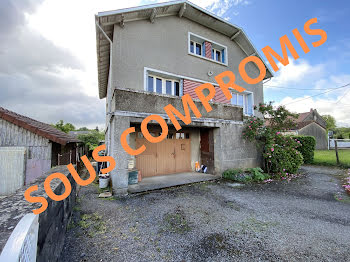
{"points": [[336, 151]]}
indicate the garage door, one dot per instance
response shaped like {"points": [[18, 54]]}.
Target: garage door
{"points": [[172, 155]]}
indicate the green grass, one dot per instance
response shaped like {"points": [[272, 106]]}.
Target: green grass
{"points": [[327, 157]]}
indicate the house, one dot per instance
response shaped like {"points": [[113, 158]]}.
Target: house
{"points": [[148, 57], [45, 146], [312, 124]]}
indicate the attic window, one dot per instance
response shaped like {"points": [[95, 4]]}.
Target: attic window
{"points": [[207, 49]]}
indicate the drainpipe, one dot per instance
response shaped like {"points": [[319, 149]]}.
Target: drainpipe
{"points": [[109, 82]]}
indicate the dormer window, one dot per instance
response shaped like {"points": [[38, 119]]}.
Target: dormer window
{"points": [[207, 49]]}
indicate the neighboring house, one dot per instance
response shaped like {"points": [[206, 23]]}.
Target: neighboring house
{"points": [[312, 124], [148, 57], [43, 143]]}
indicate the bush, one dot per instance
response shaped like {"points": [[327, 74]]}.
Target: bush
{"points": [[282, 156], [307, 148]]}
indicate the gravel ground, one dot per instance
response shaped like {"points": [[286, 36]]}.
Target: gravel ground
{"points": [[306, 219]]}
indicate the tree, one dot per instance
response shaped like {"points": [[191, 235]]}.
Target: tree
{"points": [[92, 139], [83, 129], [65, 127], [330, 122]]}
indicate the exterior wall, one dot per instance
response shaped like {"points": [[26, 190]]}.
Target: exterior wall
{"points": [[163, 46], [318, 132], [232, 151], [38, 155]]}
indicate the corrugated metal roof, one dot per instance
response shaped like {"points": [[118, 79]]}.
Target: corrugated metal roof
{"points": [[39, 128], [107, 20]]}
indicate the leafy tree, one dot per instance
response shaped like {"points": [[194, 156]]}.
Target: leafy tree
{"points": [[83, 129], [65, 127], [92, 139], [330, 122]]}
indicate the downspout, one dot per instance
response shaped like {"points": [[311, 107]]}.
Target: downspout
{"points": [[109, 139]]}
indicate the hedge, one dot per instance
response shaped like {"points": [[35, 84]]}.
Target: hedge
{"points": [[308, 147]]}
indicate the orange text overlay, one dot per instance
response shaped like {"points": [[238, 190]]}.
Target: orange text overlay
{"points": [[171, 111]]}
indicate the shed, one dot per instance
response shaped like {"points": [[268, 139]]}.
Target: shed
{"points": [[45, 146]]}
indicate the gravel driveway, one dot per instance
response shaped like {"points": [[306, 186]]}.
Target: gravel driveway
{"points": [[306, 219]]}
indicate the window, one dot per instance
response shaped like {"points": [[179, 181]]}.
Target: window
{"points": [[244, 100], [150, 84], [182, 135], [163, 85], [196, 48], [217, 55], [200, 46], [159, 85]]}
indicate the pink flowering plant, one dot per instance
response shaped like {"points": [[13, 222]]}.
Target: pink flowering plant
{"points": [[280, 152], [347, 183]]}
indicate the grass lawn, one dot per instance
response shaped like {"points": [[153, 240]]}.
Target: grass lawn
{"points": [[327, 157]]}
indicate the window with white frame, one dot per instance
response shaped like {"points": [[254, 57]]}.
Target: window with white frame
{"points": [[216, 55], [162, 85], [198, 47], [244, 100]]}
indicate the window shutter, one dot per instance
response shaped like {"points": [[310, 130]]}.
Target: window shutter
{"points": [[223, 56]]}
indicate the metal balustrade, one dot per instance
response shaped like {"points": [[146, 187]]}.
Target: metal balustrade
{"points": [[22, 244]]}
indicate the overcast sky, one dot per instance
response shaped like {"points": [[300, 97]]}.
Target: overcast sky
{"points": [[48, 55]]}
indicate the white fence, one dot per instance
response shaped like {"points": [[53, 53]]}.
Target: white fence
{"points": [[341, 143], [22, 244], [12, 169]]}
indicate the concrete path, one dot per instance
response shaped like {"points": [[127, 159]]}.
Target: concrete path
{"points": [[157, 182], [306, 219]]}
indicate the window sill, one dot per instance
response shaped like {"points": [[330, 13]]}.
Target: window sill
{"points": [[208, 59]]}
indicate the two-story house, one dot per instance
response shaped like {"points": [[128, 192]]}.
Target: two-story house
{"points": [[148, 57]]}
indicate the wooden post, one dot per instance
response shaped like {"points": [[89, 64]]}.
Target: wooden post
{"points": [[336, 151]]}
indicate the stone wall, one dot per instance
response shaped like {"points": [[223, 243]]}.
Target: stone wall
{"points": [[52, 222]]}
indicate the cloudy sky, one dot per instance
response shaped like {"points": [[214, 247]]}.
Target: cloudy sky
{"points": [[48, 55]]}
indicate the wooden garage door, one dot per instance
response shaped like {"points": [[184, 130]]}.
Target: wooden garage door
{"points": [[172, 155]]}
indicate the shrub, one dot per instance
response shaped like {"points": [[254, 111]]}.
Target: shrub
{"points": [[258, 174], [307, 148], [244, 176], [282, 155], [237, 175]]}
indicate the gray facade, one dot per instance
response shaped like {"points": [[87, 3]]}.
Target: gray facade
{"points": [[315, 130], [161, 47]]}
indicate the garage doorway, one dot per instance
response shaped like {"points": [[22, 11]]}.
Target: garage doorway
{"points": [[172, 155]]}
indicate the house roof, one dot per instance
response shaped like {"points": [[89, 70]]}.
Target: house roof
{"points": [[36, 127], [302, 116], [106, 20], [300, 125]]}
